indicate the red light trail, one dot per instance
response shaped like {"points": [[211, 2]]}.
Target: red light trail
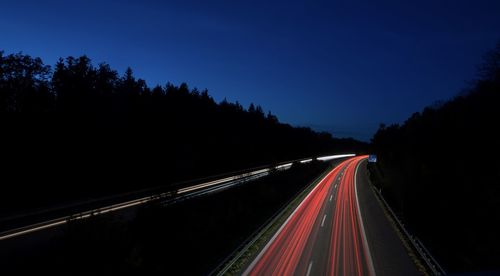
{"points": [[321, 237]]}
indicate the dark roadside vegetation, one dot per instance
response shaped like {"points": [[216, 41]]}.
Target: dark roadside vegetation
{"points": [[440, 171], [77, 131], [187, 238]]}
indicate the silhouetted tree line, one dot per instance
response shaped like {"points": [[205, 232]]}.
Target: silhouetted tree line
{"points": [[78, 130], [441, 171]]}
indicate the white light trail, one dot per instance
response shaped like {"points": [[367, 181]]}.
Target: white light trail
{"points": [[331, 157]]}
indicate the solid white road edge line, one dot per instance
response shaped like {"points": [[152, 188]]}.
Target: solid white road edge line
{"points": [[365, 241]]}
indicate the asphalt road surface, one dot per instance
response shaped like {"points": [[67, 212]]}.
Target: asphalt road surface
{"points": [[338, 229]]}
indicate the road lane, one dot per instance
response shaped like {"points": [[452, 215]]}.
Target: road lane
{"points": [[281, 255], [389, 255], [322, 236], [349, 253]]}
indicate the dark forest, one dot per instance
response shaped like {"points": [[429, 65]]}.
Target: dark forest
{"points": [[77, 131], [440, 170]]}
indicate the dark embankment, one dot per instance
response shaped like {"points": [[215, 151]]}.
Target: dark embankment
{"points": [[440, 170], [187, 238]]}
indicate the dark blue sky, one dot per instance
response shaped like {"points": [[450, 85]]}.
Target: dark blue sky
{"points": [[340, 66]]}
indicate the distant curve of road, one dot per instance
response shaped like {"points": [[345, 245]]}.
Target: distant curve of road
{"points": [[326, 234]]}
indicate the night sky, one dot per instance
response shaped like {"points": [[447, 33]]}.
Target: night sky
{"points": [[339, 66]]}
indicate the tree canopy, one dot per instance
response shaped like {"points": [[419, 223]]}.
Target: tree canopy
{"points": [[77, 121]]}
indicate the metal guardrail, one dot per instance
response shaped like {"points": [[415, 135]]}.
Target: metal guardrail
{"points": [[425, 255]]}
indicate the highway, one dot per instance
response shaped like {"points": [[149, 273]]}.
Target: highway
{"points": [[50, 221], [167, 197], [326, 234]]}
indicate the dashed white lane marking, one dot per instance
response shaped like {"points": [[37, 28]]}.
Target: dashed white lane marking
{"points": [[309, 268], [323, 222]]}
